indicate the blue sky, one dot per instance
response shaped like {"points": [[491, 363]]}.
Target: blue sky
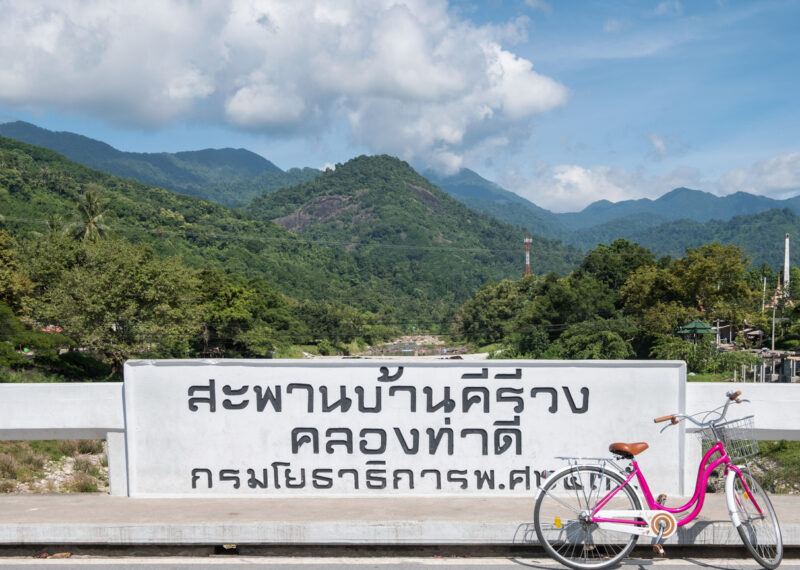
{"points": [[563, 102]]}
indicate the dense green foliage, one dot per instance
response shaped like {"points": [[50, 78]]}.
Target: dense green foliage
{"points": [[623, 303], [39, 191], [96, 266]]}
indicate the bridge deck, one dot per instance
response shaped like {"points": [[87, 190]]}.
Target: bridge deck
{"points": [[105, 520]]}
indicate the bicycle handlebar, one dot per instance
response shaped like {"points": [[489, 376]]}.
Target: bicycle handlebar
{"points": [[733, 398]]}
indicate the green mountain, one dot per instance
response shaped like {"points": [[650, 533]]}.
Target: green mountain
{"points": [[680, 203], [37, 184], [668, 225], [227, 176], [400, 227], [373, 234]]}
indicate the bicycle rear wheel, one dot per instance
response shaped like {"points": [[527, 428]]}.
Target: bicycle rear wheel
{"points": [[753, 516], [559, 518]]}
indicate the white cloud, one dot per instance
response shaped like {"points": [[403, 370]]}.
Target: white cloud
{"points": [[612, 26], [539, 5], [572, 187], [659, 144], [669, 7], [412, 78], [777, 177]]}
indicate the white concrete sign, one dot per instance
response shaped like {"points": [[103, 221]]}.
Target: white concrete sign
{"points": [[238, 428]]}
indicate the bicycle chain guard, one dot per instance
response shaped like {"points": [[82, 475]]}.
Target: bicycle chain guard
{"points": [[654, 519]]}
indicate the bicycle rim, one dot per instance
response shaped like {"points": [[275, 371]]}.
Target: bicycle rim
{"points": [[759, 531], [562, 531]]}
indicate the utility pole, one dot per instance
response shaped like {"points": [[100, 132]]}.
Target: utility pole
{"points": [[764, 294], [773, 326]]}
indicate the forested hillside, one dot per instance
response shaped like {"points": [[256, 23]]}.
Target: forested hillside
{"points": [[759, 235], [667, 225], [39, 187], [400, 227], [128, 269], [231, 177]]}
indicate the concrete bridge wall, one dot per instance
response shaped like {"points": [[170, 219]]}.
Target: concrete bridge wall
{"points": [[97, 411]]}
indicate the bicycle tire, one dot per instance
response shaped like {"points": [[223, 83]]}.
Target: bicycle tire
{"points": [[760, 532], [572, 541]]}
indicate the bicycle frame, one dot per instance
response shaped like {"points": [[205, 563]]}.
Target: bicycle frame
{"points": [[707, 466]]}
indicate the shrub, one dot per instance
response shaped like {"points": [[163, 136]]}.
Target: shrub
{"points": [[82, 483], [8, 466], [68, 447]]}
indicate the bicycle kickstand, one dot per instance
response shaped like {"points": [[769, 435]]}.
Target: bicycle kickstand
{"points": [[657, 548]]}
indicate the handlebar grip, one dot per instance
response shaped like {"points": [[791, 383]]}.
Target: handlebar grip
{"points": [[735, 395], [669, 418]]}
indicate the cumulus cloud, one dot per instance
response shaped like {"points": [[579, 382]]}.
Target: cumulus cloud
{"points": [[572, 187], [410, 78]]}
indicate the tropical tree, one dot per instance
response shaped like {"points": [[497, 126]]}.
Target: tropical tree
{"points": [[118, 299], [90, 222], [15, 287], [712, 274], [484, 319], [591, 341], [612, 264]]}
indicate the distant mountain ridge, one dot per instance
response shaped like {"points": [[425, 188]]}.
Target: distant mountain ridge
{"points": [[231, 177], [672, 217], [237, 177]]}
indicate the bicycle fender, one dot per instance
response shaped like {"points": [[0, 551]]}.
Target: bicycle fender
{"points": [[733, 512], [554, 474]]}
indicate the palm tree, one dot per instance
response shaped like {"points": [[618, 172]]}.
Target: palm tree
{"points": [[89, 224]]}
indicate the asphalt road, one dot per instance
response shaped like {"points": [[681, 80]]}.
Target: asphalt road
{"points": [[341, 563]]}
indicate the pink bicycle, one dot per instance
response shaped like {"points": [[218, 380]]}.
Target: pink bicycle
{"points": [[591, 515]]}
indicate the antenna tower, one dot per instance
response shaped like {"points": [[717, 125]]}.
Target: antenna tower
{"points": [[528, 242]]}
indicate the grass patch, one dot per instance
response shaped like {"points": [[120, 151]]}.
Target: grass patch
{"points": [[20, 462], [29, 375], [709, 377], [24, 462], [787, 456], [289, 352]]}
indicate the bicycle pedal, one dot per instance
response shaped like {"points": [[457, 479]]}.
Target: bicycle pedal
{"points": [[659, 550], [662, 499]]}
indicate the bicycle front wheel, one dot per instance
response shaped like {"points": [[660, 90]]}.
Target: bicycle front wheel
{"points": [[752, 514], [561, 511]]}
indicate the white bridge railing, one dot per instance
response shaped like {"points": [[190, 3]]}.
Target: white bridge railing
{"points": [[96, 411]]}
